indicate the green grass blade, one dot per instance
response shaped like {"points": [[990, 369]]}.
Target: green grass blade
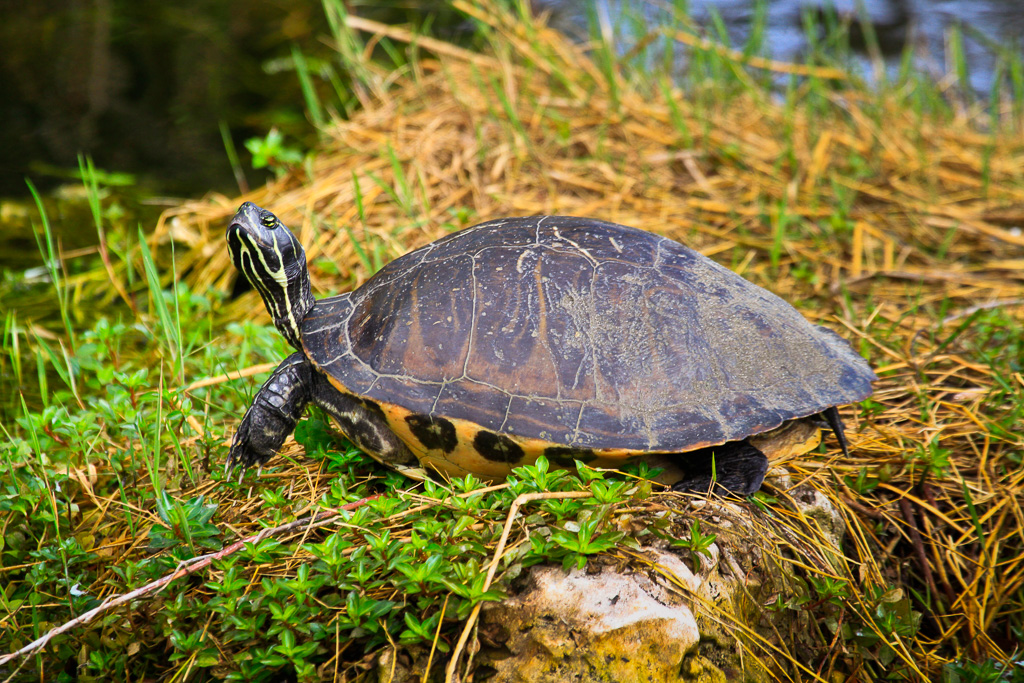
{"points": [[51, 258], [309, 94], [232, 152], [169, 326]]}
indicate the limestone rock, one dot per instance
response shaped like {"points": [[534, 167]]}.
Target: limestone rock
{"points": [[671, 616], [620, 628], [813, 504]]}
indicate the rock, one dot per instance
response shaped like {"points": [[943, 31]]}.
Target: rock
{"points": [[812, 504], [666, 617], [620, 628]]}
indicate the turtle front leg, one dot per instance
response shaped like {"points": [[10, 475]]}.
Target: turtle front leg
{"points": [[736, 466], [274, 412]]}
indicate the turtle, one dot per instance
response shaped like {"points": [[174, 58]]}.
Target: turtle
{"points": [[570, 338]]}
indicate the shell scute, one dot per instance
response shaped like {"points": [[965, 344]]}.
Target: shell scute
{"points": [[605, 242], [515, 232], [416, 325], [550, 419], [417, 397], [475, 402]]}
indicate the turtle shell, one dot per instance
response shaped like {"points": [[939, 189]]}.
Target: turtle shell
{"points": [[575, 338]]}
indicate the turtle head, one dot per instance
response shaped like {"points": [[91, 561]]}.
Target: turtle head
{"points": [[271, 258]]}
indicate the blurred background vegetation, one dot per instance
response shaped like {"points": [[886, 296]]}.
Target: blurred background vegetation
{"points": [[150, 88]]}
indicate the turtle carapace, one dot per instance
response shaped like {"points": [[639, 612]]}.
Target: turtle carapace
{"points": [[571, 338]]}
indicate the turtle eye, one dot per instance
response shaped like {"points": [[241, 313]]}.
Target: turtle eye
{"points": [[269, 220]]}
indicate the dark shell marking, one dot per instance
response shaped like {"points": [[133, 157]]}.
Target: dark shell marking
{"points": [[564, 456], [561, 332], [435, 433], [497, 447]]}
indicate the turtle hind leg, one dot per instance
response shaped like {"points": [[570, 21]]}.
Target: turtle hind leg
{"points": [[274, 412], [734, 467], [835, 423]]}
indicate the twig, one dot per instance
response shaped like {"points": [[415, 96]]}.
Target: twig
{"points": [[184, 569], [238, 374], [523, 498], [918, 543], [406, 36], [437, 636], [219, 379], [864, 510]]}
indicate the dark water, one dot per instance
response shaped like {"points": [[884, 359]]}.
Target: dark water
{"points": [[141, 86], [989, 28]]}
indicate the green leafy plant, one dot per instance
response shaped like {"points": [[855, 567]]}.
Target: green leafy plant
{"points": [[186, 523], [697, 543], [272, 152], [581, 539]]}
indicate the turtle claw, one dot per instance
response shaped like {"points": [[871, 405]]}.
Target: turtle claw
{"points": [[243, 455]]}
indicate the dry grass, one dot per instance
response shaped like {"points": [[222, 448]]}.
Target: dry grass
{"points": [[895, 227]]}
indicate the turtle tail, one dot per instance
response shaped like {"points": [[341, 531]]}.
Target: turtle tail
{"points": [[835, 423]]}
